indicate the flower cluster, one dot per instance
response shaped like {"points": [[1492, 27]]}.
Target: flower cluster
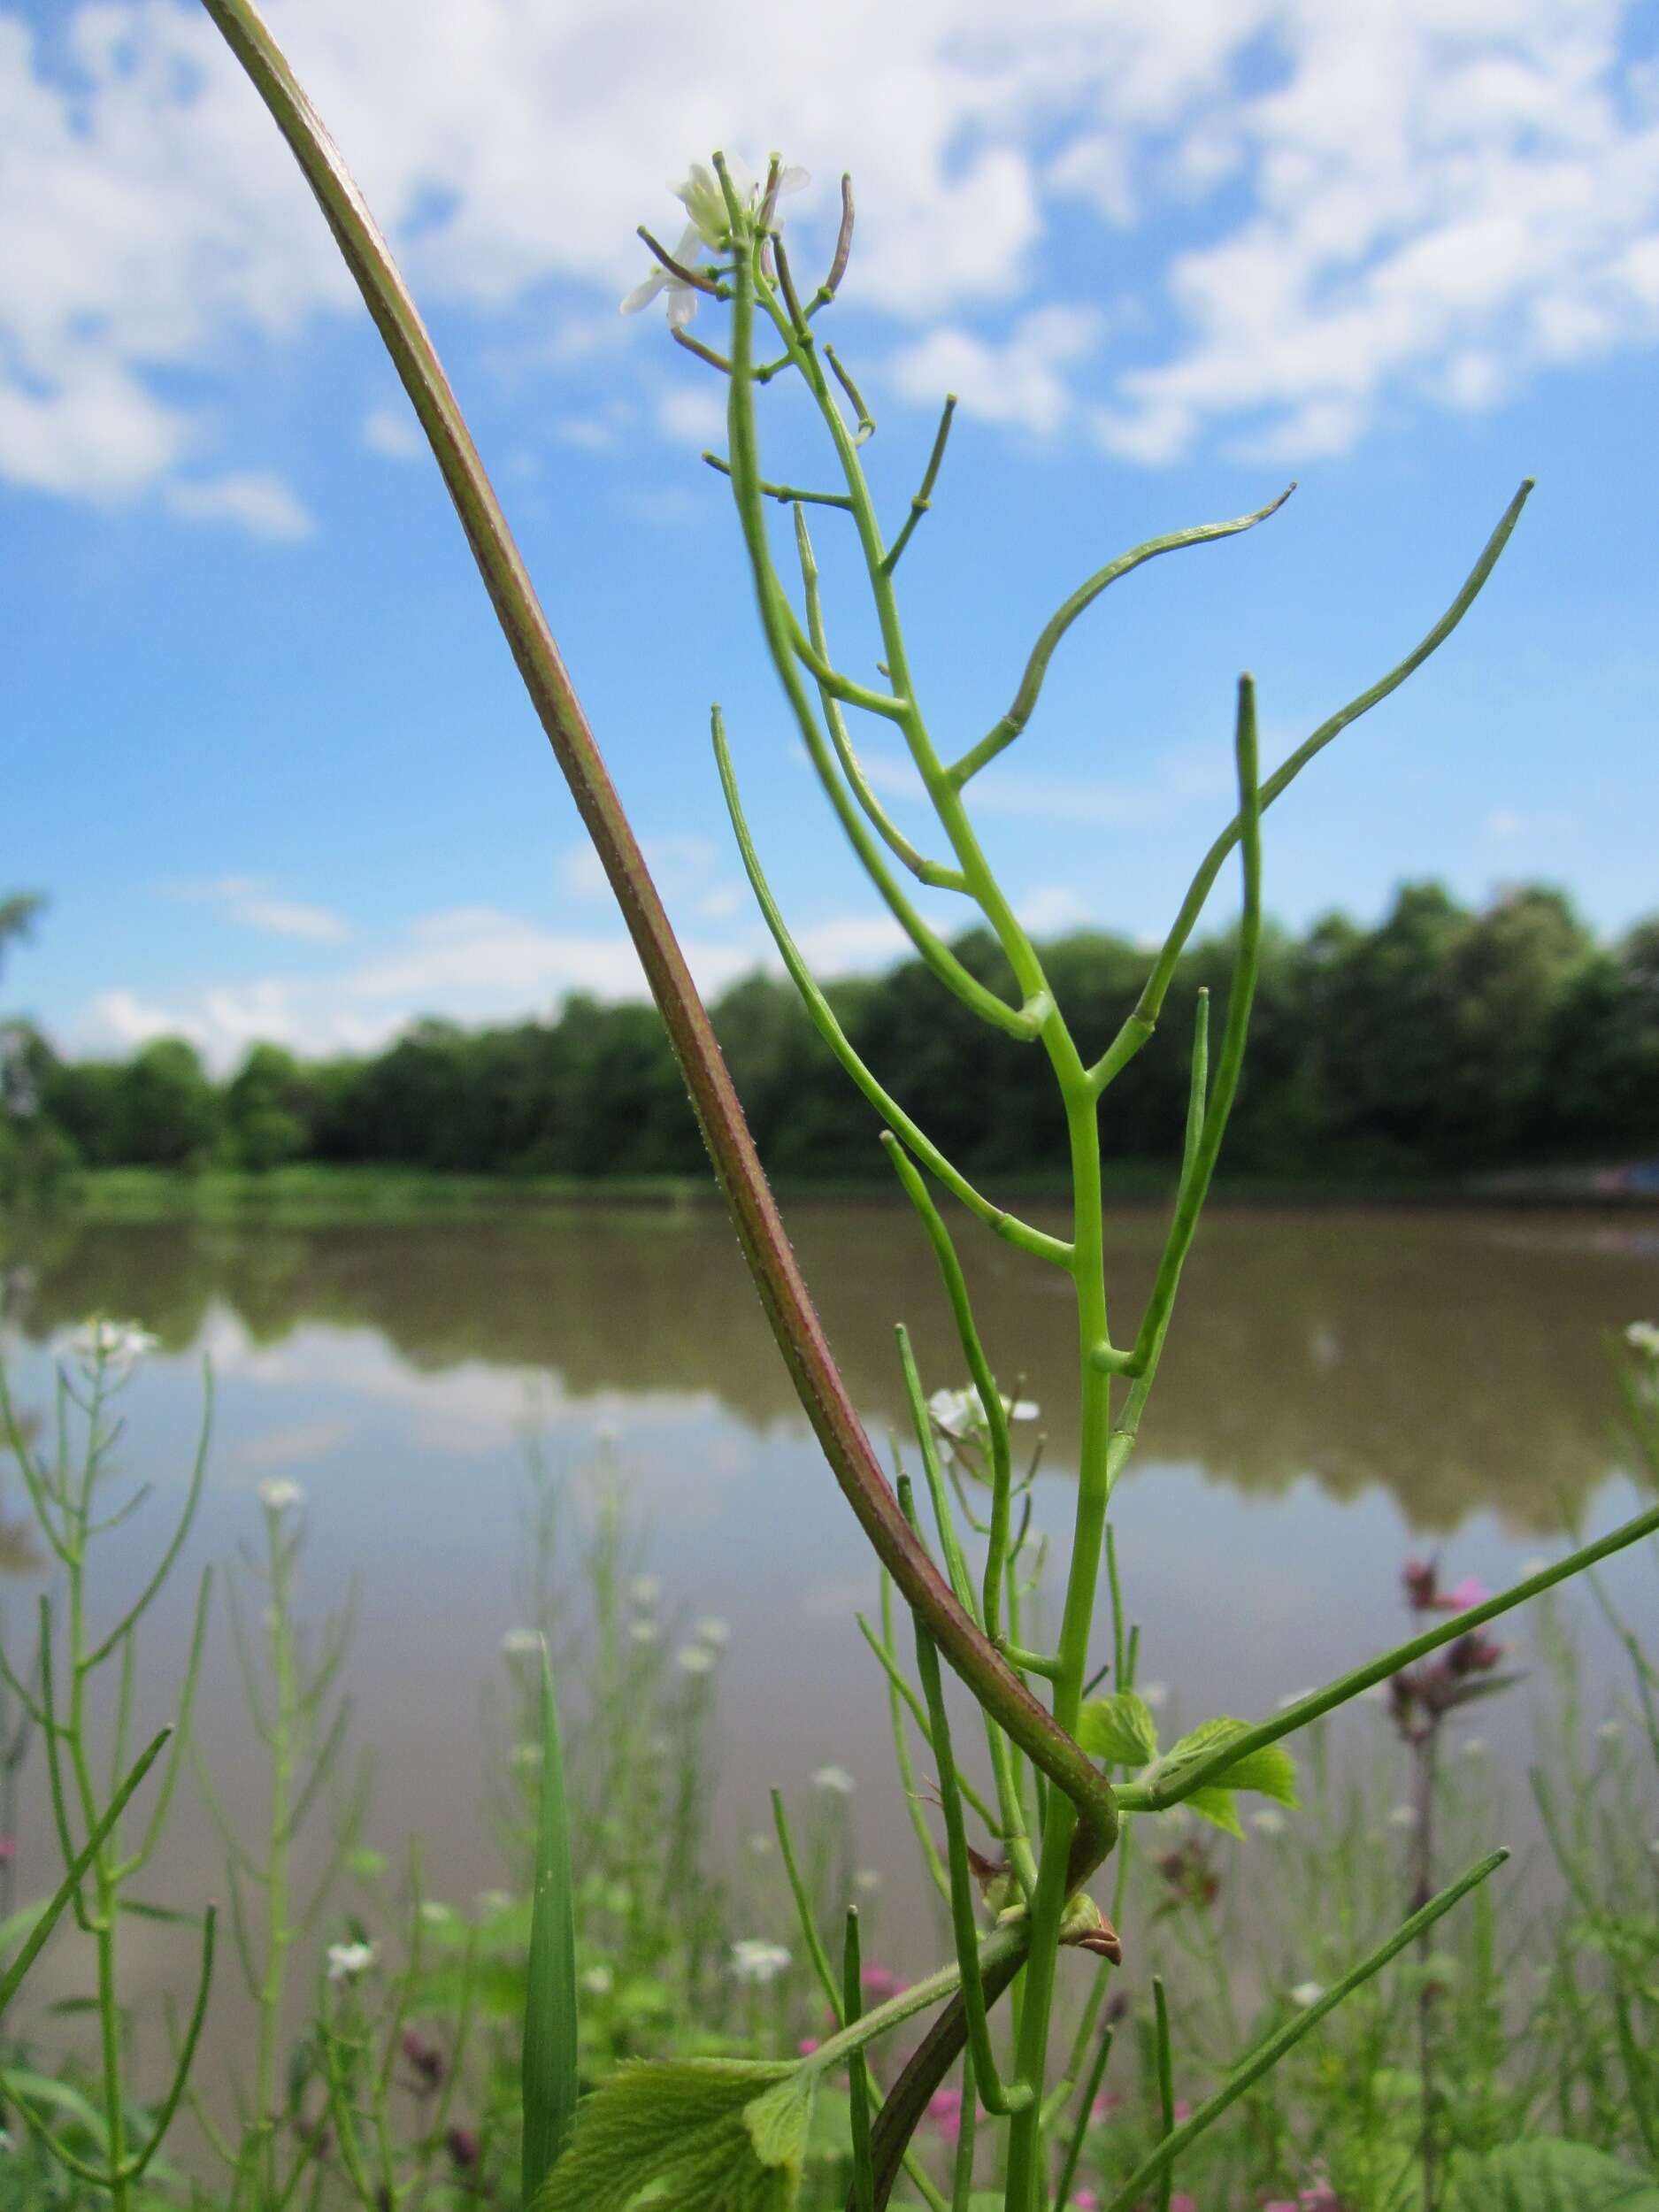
{"points": [[756, 1963], [959, 1414], [708, 229], [111, 1348]]}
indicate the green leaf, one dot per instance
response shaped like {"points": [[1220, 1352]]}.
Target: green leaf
{"points": [[1119, 1729], [715, 2135], [550, 2003], [1217, 1805], [1549, 2175], [1269, 1770]]}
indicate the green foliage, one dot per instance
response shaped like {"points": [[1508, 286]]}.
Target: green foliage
{"points": [[549, 2009], [1548, 2175], [716, 2135], [1119, 1729]]}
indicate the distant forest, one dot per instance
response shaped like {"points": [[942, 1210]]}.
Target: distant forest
{"points": [[1444, 1041]]}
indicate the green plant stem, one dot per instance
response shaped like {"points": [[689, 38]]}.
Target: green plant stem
{"points": [[783, 1293]]}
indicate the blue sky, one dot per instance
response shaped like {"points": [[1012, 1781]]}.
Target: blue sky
{"points": [[263, 748]]}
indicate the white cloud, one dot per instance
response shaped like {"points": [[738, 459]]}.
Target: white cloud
{"points": [[1018, 382], [394, 433], [691, 414], [1387, 204], [262, 504], [247, 900], [1049, 909]]}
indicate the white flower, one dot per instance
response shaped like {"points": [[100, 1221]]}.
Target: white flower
{"points": [[518, 1643], [1609, 1731], [1268, 1823], [759, 1844], [114, 1345], [714, 1632], [646, 1589], [645, 1632], [280, 1496], [754, 1963], [491, 1902], [1404, 1817], [526, 1754], [867, 1881], [1154, 1695], [1643, 1337], [834, 1781], [347, 1961], [959, 1413], [694, 1659], [436, 1914], [599, 1981], [1307, 1994], [710, 227], [1474, 1747]]}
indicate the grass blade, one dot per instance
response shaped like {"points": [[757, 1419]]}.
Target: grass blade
{"points": [[550, 2010]]}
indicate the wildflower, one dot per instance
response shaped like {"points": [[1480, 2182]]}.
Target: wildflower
{"points": [[834, 1781], [1421, 1581], [436, 1914], [1462, 1595], [462, 2145], [280, 1496], [1085, 2201], [491, 1902], [759, 1844], [426, 2060], [1404, 1817], [1473, 1747], [960, 1413], [1268, 1823], [348, 1962], [694, 1659], [1643, 1337], [715, 1632], [646, 1589], [645, 1632], [880, 1983], [756, 1963], [1609, 1731], [114, 1345], [710, 226], [1307, 1994], [1154, 1695], [807, 2046], [526, 1754], [867, 1881], [944, 2110], [519, 1643], [599, 1981]]}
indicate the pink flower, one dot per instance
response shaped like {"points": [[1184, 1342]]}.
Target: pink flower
{"points": [[881, 1983], [8, 1850], [1462, 1595], [807, 2046], [1104, 2105], [944, 2110], [1183, 2111], [1181, 2202], [1085, 2201]]}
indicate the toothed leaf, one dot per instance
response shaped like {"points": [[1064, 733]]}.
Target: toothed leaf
{"points": [[1119, 1729]]}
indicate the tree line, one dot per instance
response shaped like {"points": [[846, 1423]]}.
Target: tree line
{"points": [[1445, 1040]]}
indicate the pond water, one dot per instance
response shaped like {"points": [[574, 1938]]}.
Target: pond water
{"points": [[1343, 1387]]}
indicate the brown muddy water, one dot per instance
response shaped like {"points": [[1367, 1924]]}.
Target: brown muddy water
{"points": [[1343, 1387]]}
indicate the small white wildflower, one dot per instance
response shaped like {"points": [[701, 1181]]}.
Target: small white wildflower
{"points": [[491, 1902], [1268, 1823], [956, 1411], [715, 1632], [434, 1913], [599, 1981], [756, 1963], [759, 1844], [710, 227], [1307, 1994], [646, 1589], [834, 1781], [1021, 1408], [526, 1754], [867, 1881], [1473, 1747], [519, 1643], [1404, 1817], [645, 1632], [1154, 1695], [1643, 1337], [280, 1496], [348, 1962], [1609, 1731], [115, 1346], [694, 1659]]}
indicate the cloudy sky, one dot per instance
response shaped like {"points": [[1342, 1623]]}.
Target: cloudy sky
{"points": [[263, 745]]}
